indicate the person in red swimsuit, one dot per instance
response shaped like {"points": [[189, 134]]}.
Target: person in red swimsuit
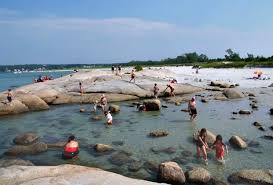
{"points": [[71, 148], [220, 148]]}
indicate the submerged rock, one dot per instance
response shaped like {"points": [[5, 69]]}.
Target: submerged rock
{"points": [[244, 112], [26, 138], [11, 162], [251, 176], [198, 175], [168, 150], [151, 167], [158, 133], [102, 148], [32, 149], [135, 166], [170, 172], [237, 142], [152, 105], [120, 158], [233, 94], [114, 108]]}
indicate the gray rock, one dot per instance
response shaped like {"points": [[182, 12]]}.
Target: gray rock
{"points": [[11, 162], [158, 133], [233, 93], [100, 148], [135, 166], [114, 108], [170, 172], [198, 175], [26, 138], [244, 112], [252, 176], [237, 142], [32, 149], [152, 105], [120, 158]]}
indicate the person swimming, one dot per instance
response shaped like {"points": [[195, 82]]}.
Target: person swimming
{"points": [[201, 145], [192, 108], [108, 117], [71, 148], [220, 148]]}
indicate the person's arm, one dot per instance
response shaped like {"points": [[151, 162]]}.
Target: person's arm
{"points": [[225, 146]]}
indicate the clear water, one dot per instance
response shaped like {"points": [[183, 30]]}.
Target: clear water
{"points": [[132, 128]]}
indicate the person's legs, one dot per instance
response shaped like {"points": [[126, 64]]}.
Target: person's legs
{"points": [[198, 151], [204, 152]]}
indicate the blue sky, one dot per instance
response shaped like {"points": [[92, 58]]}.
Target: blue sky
{"points": [[104, 31]]}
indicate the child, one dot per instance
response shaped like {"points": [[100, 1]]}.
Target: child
{"points": [[220, 148], [9, 96], [108, 117], [202, 145]]}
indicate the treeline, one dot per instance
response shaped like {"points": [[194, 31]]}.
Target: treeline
{"points": [[232, 58]]}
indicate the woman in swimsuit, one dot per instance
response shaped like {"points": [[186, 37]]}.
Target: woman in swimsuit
{"points": [[71, 148], [103, 102], [192, 108], [202, 145]]}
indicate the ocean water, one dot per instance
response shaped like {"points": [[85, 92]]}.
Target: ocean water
{"points": [[129, 135]]}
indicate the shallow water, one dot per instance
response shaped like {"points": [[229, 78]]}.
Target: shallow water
{"points": [[132, 128]]}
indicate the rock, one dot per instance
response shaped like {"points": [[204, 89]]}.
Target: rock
{"points": [[252, 176], [82, 110], [177, 103], [114, 108], [26, 138], [33, 102], [210, 137], [198, 175], [164, 106], [237, 142], [221, 84], [251, 94], [64, 174], [158, 133], [204, 100], [135, 166], [270, 137], [168, 150], [233, 93], [257, 124], [152, 105], [261, 128], [27, 150], [59, 144], [271, 111], [254, 106], [251, 98], [11, 162], [151, 166], [120, 158], [234, 112], [15, 107], [170, 172], [102, 148], [184, 110], [244, 112], [220, 97], [271, 127]]}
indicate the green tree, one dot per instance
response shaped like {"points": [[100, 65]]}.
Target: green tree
{"points": [[232, 56]]}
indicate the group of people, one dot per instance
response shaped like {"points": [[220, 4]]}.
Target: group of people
{"points": [[118, 69], [203, 147], [43, 78]]}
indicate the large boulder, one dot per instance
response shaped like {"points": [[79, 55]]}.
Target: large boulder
{"points": [[26, 138], [114, 108], [170, 172], [211, 137], [152, 105], [158, 133], [59, 144], [261, 177], [33, 149], [33, 102], [221, 84], [198, 175], [64, 174], [233, 93], [15, 107], [100, 148], [238, 142], [11, 162]]}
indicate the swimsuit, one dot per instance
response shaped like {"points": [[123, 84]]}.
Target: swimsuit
{"points": [[70, 152], [9, 98], [220, 152], [199, 143]]}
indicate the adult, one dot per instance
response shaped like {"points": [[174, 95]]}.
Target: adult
{"points": [[156, 91], [133, 76], [71, 148], [119, 69], [171, 89], [81, 89], [9, 96], [103, 102], [113, 69], [192, 108]]}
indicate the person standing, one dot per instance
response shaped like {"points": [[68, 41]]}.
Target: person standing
{"points": [[171, 88], [156, 91], [113, 69], [81, 89], [119, 69], [202, 145], [9, 96], [133, 76], [192, 108], [108, 117], [103, 102]]}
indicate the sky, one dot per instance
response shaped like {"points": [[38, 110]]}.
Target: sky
{"points": [[105, 31]]}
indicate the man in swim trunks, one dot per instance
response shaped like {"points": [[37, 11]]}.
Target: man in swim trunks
{"points": [[71, 148], [103, 102], [192, 108], [9, 96], [171, 88], [156, 90], [133, 76]]}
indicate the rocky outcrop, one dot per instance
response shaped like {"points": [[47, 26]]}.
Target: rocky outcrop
{"points": [[158, 133], [102, 148], [198, 175], [170, 172], [248, 177], [15, 107], [32, 149], [26, 138], [33, 102], [221, 84], [114, 108], [11, 162], [237, 142], [233, 93], [211, 137], [244, 112], [63, 175], [152, 105]]}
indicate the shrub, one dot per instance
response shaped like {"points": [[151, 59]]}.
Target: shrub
{"points": [[138, 68]]}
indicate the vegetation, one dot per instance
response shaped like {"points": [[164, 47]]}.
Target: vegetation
{"points": [[138, 68], [231, 59]]}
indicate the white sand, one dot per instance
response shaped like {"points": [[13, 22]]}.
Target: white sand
{"points": [[187, 75]]}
